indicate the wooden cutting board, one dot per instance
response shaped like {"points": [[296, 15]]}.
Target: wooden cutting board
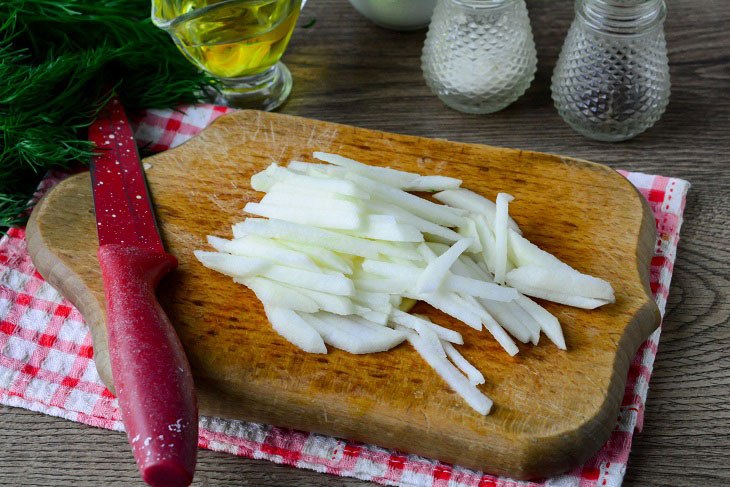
{"points": [[553, 409]]}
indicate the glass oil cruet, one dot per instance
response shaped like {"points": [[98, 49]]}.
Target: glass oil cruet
{"points": [[238, 42], [611, 81]]}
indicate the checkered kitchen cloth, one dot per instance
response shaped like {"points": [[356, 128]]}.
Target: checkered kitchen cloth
{"points": [[46, 357]]}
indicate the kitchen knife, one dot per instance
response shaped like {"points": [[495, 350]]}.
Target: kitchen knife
{"points": [[151, 373]]}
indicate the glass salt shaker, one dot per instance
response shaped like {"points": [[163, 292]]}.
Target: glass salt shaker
{"points": [[479, 55], [611, 81]]}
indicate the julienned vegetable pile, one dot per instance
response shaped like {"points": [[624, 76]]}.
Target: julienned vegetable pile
{"points": [[343, 250]]}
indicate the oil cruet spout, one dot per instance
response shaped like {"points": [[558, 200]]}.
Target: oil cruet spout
{"points": [[611, 81]]}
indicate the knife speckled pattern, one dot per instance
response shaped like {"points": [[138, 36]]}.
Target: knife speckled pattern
{"points": [[121, 200], [151, 373]]}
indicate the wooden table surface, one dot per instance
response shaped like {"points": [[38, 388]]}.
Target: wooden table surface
{"points": [[347, 70]]}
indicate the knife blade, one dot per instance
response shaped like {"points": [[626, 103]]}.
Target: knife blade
{"points": [[151, 373]]}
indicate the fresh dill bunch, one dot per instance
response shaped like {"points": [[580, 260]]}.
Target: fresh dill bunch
{"points": [[56, 57]]}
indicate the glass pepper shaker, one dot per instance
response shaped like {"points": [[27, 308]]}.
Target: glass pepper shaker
{"points": [[611, 81], [479, 55]]}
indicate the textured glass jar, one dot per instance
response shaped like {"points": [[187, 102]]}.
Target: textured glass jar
{"points": [[611, 81], [479, 55]]}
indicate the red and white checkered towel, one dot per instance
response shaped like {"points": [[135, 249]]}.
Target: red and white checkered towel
{"points": [[46, 357]]}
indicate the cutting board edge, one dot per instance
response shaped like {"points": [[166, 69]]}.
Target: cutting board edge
{"points": [[72, 287], [594, 430], [63, 278]]}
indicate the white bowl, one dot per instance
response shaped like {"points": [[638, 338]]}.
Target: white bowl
{"points": [[397, 14]]}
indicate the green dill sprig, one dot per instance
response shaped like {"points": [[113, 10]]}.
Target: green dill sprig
{"points": [[56, 57]]}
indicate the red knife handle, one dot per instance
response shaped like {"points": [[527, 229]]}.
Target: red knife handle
{"points": [[151, 373]]}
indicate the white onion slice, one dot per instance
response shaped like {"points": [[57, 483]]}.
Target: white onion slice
{"points": [[232, 265], [376, 337], [373, 300], [548, 322], [338, 336], [449, 373], [339, 305], [435, 272], [405, 216], [475, 377], [305, 167], [469, 230], [489, 244], [507, 320], [432, 340], [279, 295], [494, 328], [353, 337], [451, 282], [289, 325], [440, 214], [467, 267], [391, 270], [446, 303], [432, 184], [264, 180], [385, 227], [335, 219], [295, 232], [500, 235], [562, 298], [417, 323], [378, 317], [562, 280], [335, 283], [479, 288], [475, 203], [265, 249], [384, 175], [321, 256], [522, 252], [391, 286], [526, 319], [287, 195]]}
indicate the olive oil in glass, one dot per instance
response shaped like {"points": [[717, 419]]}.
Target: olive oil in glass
{"points": [[239, 42]]}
